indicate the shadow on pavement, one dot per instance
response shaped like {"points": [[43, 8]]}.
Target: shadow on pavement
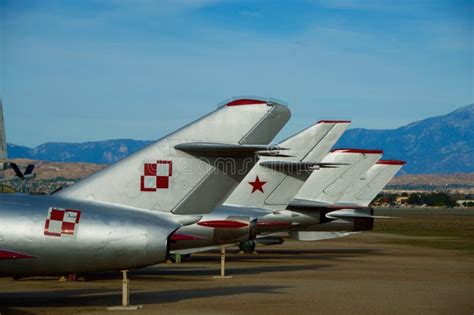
{"points": [[209, 272], [107, 297], [285, 254]]}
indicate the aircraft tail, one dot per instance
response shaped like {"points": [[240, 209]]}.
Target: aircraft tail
{"points": [[315, 142], [274, 181], [179, 173], [371, 183], [326, 185]]}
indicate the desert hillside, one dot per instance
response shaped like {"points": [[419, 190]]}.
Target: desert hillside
{"points": [[52, 175]]}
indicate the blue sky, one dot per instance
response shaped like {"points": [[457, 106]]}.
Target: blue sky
{"points": [[92, 70]]}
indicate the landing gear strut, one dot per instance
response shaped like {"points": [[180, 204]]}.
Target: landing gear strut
{"points": [[222, 275], [125, 296], [178, 258]]}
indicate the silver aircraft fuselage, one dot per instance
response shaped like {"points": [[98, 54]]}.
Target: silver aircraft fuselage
{"points": [[265, 222], [48, 235]]}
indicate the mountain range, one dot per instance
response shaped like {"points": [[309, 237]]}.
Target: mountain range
{"points": [[441, 144], [436, 145]]}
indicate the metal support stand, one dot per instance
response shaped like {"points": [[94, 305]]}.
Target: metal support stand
{"points": [[222, 276], [125, 296]]}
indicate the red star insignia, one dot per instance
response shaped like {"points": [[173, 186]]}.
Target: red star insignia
{"points": [[257, 185]]}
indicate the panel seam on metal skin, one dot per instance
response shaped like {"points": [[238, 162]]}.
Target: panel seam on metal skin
{"points": [[273, 190], [340, 177], [367, 186], [281, 183], [186, 196], [321, 139], [272, 108]]}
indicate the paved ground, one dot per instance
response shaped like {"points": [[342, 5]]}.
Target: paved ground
{"points": [[365, 273]]}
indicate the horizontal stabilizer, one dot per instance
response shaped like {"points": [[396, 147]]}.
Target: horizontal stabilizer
{"points": [[318, 236], [28, 174], [330, 165], [29, 169], [354, 214], [226, 149], [294, 166], [341, 211], [17, 171]]}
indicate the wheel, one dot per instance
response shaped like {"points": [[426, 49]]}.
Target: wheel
{"points": [[247, 247]]}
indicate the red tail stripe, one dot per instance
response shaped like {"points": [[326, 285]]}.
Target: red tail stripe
{"points": [[358, 151], [245, 101], [334, 121], [391, 162]]}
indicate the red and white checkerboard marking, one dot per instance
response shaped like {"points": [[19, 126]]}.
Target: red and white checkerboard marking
{"points": [[156, 175], [61, 222]]}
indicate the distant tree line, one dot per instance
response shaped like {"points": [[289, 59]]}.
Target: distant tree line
{"points": [[435, 199], [432, 199], [385, 198]]}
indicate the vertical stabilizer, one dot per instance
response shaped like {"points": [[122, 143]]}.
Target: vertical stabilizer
{"points": [[326, 185], [315, 142], [173, 174], [271, 188], [371, 183]]}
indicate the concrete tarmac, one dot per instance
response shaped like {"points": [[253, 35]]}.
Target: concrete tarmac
{"points": [[365, 273]]}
